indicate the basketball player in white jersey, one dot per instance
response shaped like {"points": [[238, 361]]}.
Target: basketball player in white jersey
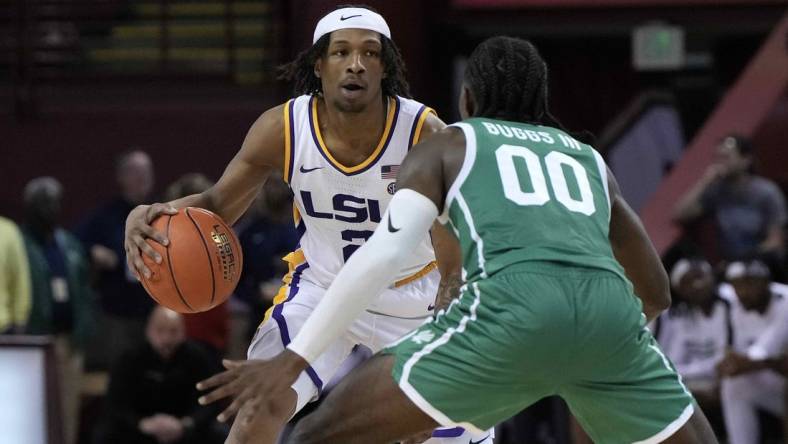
{"points": [[339, 146]]}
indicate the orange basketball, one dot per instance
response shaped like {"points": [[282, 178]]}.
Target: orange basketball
{"points": [[200, 267]]}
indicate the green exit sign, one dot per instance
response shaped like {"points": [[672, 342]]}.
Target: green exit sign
{"points": [[658, 47]]}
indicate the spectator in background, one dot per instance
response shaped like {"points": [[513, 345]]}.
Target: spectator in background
{"points": [[123, 301], [211, 328], [749, 210], [62, 298], [14, 279], [748, 385], [770, 351], [695, 333], [267, 233], [152, 395], [773, 343]]}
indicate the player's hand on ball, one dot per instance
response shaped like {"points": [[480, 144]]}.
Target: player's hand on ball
{"points": [[255, 383], [138, 229]]}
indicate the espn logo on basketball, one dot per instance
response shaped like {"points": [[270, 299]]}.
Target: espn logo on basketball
{"points": [[224, 249]]}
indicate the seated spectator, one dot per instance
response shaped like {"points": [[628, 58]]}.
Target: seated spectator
{"points": [[695, 332], [770, 351], [123, 303], [211, 328], [14, 279], [152, 395], [749, 210], [758, 306], [773, 343], [62, 298]]}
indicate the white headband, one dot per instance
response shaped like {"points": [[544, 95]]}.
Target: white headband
{"points": [[741, 269], [683, 266], [345, 18]]}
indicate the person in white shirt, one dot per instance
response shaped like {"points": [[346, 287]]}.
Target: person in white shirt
{"points": [[696, 331], [759, 308]]}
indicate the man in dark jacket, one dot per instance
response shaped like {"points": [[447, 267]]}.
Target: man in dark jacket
{"points": [[122, 302], [152, 396]]}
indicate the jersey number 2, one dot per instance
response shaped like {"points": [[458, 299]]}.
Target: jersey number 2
{"points": [[350, 236], [555, 163]]}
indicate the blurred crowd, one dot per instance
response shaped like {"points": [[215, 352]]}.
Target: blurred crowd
{"points": [[726, 333], [727, 329], [142, 362]]}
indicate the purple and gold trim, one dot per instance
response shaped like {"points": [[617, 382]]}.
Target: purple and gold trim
{"points": [[418, 124], [289, 140], [388, 132]]}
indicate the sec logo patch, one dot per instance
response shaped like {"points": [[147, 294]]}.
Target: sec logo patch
{"points": [[392, 188]]}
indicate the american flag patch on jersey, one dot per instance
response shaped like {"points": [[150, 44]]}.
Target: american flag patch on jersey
{"points": [[389, 171]]}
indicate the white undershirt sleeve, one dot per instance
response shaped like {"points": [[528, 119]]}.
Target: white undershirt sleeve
{"points": [[371, 269]]}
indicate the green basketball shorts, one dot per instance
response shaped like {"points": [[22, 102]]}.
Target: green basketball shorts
{"points": [[542, 329]]}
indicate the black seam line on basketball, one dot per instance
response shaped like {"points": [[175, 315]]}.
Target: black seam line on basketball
{"points": [[172, 272], [208, 254]]}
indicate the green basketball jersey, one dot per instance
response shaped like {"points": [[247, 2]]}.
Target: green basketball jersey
{"points": [[528, 193]]}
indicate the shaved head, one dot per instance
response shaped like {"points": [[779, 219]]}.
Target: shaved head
{"points": [[135, 176]]}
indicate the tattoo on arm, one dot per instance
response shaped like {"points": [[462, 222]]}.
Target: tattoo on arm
{"points": [[448, 289]]}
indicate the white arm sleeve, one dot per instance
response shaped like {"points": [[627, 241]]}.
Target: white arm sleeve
{"points": [[371, 269]]}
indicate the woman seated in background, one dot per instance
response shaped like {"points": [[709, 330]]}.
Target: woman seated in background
{"points": [[696, 331]]}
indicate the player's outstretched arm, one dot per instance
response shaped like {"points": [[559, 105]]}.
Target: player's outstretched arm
{"points": [[447, 249], [262, 150], [449, 256], [372, 268], [635, 252]]}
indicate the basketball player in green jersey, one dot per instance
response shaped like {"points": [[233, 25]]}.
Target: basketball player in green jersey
{"points": [[560, 280]]}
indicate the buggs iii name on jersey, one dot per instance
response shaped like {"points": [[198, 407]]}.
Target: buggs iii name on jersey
{"points": [[224, 251], [344, 208]]}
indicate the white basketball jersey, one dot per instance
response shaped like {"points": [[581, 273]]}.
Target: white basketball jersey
{"points": [[337, 207]]}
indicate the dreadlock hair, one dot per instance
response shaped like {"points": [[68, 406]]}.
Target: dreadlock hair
{"points": [[508, 79], [301, 70]]}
